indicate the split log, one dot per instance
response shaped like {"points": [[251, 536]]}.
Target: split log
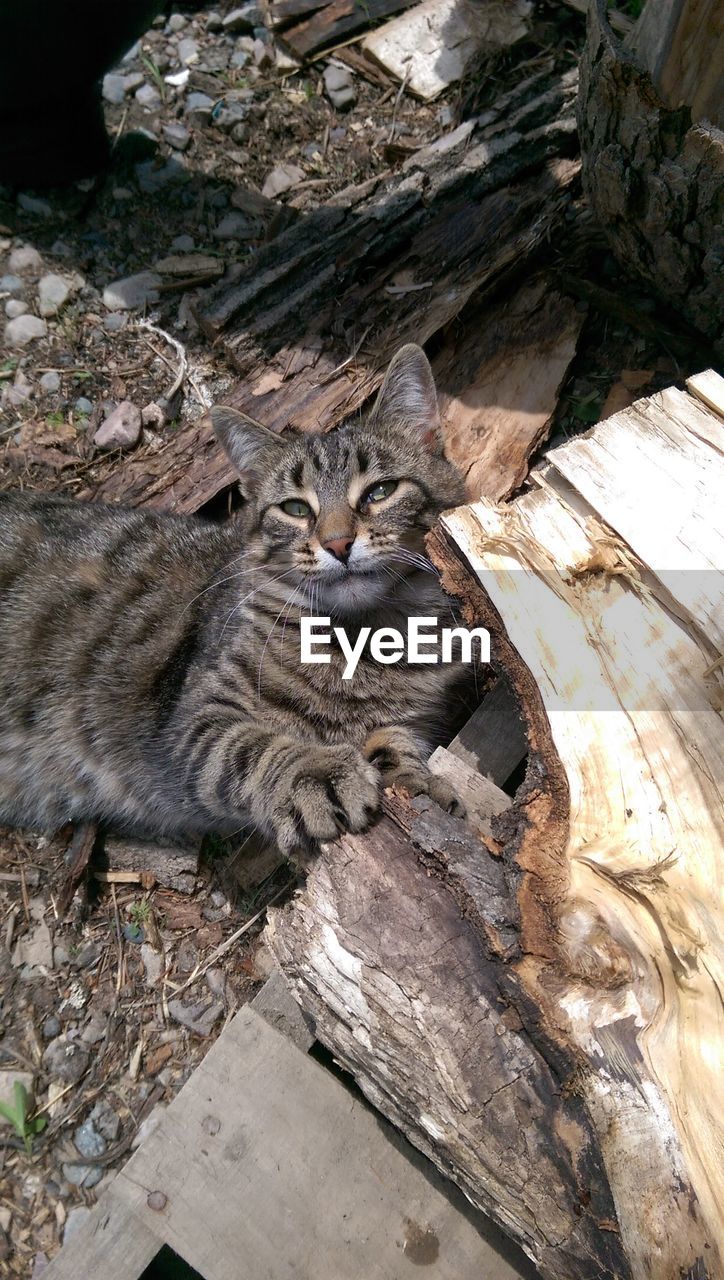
{"points": [[329, 24], [316, 315], [653, 167], [539, 1009]]}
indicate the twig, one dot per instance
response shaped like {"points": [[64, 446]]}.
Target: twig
{"points": [[24, 892], [400, 92], [180, 350], [84, 838]]}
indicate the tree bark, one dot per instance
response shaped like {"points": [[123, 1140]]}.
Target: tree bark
{"points": [[654, 178], [535, 999]]}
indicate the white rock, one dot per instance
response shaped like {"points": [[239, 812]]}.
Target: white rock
{"points": [[132, 292], [152, 415], [234, 226], [133, 81], [121, 429], [11, 284], [178, 79], [176, 135], [339, 87], [176, 22], [14, 307], [50, 382], [281, 179], [25, 261], [24, 329], [152, 963], [54, 291]]}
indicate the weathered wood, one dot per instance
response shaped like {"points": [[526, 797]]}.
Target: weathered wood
{"points": [[265, 1165], [538, 1009], [336, 22], [654, 178], [500, 371], [493, 741], [167, 865], [314, 318], [681, 44], [430, 46], [708, 387]]}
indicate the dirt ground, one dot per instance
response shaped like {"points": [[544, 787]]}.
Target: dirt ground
{"points": [[105, 1011]]}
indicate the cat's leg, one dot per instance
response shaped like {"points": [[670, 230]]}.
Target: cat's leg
{"points": [[395, 752], [299, 791]]}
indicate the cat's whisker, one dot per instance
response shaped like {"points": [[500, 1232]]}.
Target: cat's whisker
{"points": [[241, 574], [269, 636], [249, 594]]}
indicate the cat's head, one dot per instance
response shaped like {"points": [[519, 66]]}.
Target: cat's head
{"points": [[343, 515]]}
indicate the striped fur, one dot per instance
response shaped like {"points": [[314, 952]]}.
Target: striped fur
{"points": [[150, 674]]}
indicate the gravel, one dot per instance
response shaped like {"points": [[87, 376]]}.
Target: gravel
{"points": [[121, 429], [66, 1060], [50, 383], [132, 292], [24, 329], [114, 89], [53, 292], [14, 307], [25, 261]]}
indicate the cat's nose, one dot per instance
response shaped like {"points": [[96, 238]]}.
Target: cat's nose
{"points": [[339, 547]]}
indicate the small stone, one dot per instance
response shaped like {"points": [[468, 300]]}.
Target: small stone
{"points": [[121, 429], [8, 1080], [114, 89], [90, 954], [188, 51], [24, 329], [339, 87], [152, 415], [25, 261], [14, 307], [281, 179], [239, 59], [132, 292], [75, 1222], [106, 1120], [133, 81], [83, 406], [196, 1017], [51, 1027], [148, 97], [11, 284], [183, 244], [50, 383], [227, 114], [198, 108], [153, 177], [153, 964], [179, 79], [82, 1175], [31, 204], [88, 1142], [243, 19], [216, 982], [234, 226], [66, 1060], [176, 22], [115, 322], [263, 55], [214, 21], [53, 292], [177, 136], [240, 133], [95, 1030]]}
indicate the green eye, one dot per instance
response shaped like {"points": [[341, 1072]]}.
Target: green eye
{"points": [[380, 491], [296, 507]]}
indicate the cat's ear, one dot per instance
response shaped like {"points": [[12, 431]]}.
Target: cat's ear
{"points": [[247, 444], [407, 398]]}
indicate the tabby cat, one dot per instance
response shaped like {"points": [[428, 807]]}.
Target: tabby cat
{"points": [[150, 674]]}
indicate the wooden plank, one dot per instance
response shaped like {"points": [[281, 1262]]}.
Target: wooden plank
{"points": [[666, 436], [335, 23], [430, 47], [113, 1245], [482, 799], [708, 386], [265, 1160], [493, 741], [499, 375]]}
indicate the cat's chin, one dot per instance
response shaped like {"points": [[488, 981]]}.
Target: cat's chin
{"points": [[351, 594]]}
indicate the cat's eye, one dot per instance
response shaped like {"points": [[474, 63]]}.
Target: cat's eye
{"points": [[380, 491], [296, 507]]}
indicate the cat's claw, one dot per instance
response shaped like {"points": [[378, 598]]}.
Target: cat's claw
{"points": [[334, 791], [421, 782]]}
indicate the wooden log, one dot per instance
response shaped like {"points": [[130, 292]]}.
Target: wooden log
{"points": [[334, 23], [539, 1008], [681, 44], [313, 320], [653, 174]]}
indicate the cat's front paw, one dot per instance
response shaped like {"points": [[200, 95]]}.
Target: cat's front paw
{"points": [[332, 790], [421, 782]]}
